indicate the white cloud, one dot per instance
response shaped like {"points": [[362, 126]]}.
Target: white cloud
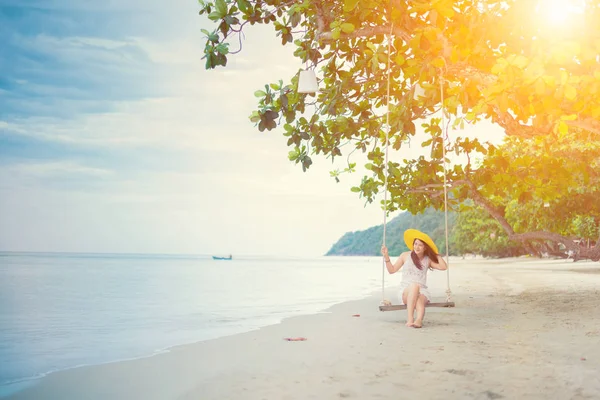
{"points": [[199, 108], [60, 168], [75, 50]]}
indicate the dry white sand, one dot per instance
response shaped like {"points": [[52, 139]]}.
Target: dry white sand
{"points": [[521, 329]]}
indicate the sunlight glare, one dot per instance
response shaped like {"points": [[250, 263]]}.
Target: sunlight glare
{"points": [[559, 12]]}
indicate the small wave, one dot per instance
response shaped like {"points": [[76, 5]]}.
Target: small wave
{"points": [[25, 379], [12, 386]]}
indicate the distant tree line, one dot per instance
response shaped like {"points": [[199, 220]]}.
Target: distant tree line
{"points": [[470, 231]]}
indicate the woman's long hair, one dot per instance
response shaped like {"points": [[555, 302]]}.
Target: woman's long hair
{"points": [[428, 253]]}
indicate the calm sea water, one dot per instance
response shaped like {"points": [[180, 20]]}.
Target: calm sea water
{"points": [[59, 311]]}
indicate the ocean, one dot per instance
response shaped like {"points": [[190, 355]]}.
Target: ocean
{"points": [[63, 310]]}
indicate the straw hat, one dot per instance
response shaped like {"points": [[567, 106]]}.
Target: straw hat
{"points": [[411, 234]]}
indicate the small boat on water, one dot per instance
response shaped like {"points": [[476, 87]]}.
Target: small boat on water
{"points": [[222, 258]]}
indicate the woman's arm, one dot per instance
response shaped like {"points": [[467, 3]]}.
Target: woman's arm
{"points": [[441, 264], [392, 267]]}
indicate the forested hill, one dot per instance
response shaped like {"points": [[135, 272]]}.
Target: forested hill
{"points": [[368, 242]]}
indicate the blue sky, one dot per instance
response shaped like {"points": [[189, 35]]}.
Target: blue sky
{"points": [[114, 138]]}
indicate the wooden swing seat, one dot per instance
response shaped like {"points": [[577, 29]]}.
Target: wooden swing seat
{"points": [[403, 306]]}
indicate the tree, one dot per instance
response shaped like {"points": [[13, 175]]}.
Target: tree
{"points": [[587, 228], [475, 232], [385, 66]]}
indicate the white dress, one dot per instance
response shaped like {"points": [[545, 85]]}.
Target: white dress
{"points": [[412, 274]]}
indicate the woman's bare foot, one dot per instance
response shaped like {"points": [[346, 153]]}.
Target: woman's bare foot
{"points": [[417, 324], [410, 323]]}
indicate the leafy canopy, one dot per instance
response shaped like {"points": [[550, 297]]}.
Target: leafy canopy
{"points": [[475, 60]]}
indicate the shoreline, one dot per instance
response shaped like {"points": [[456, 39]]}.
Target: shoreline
{"points": [[267, 365], [32, 382], [11, 388]]}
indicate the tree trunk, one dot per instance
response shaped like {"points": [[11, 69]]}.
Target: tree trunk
{"points": [[579, 253], [592, 253], [497, 214]]}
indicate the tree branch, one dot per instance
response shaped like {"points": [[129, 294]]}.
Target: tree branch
{"points": [[422, 189], [462, 69], [496, 213], [363, 32], [524, 238], [505, 120], [440, 186], [542, 235], [590, 125], [579, 253], [513, 128]]}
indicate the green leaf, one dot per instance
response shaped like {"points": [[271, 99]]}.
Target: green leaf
{"points": [[570, 92], [210, 61], [221, 7], [520, 61], [336, 33], [255, 117], [347, 27], [563, 128], [571, 117], [260, 93], [213, 37], [540, 87], [294, 154], [499, 67], [399, 59], [350, 5], [446, 10], [438, 62], [223, 48], [244, 5], [215, 16]]}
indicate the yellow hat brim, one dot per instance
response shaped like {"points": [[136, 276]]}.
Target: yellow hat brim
{"points": [[411, 234]]}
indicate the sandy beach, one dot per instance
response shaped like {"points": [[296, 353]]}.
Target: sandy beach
{"points": [[521, 329]]}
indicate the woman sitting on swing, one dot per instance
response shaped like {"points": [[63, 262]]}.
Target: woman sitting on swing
{"points": [[413, 289]]}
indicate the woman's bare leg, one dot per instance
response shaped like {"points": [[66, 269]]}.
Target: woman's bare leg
{"points": [[420, 306], [410, 297]]}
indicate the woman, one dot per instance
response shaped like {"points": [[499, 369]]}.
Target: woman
{"points": [[413, 289]]}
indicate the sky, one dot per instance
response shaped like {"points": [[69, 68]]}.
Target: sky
{"points": [[114, 138]]}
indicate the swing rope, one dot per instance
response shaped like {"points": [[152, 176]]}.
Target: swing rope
{"points": [[444, 137], [385, 208], [387, 139]]}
